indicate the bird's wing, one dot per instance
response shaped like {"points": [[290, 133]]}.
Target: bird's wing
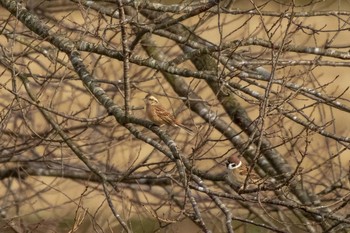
{"points": [[164, 114]]}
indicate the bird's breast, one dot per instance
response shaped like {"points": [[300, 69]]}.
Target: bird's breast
{"points": [[152, 115]]}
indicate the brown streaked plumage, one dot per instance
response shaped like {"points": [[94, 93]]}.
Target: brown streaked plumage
{"points": [[160, 116]]}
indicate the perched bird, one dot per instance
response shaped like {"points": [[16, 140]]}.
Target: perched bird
{"points": [[160, 116], [237, 172]]}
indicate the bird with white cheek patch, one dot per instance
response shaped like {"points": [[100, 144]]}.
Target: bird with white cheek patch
{"points": [[237, 172]]}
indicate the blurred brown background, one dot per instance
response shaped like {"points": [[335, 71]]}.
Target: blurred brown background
{"points": [[276, 90]]}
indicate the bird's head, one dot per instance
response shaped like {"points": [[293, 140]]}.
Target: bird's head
{"points": [[233, 162]]}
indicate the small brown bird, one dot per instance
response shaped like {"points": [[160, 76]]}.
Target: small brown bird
{"points": [[237, 172], [160, 116]]}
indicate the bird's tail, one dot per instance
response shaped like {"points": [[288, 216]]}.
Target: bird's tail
{"points": [[187, 129]]}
